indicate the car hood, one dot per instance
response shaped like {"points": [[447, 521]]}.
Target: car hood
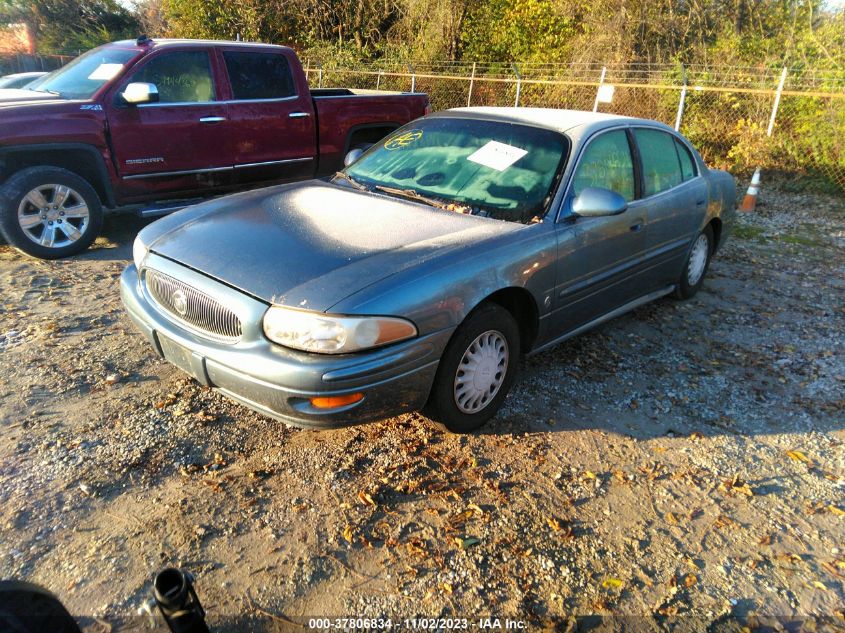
{"points": [[310, 245], [16, 95]]}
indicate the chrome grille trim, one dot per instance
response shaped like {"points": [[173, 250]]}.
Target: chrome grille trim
{"points": [[203, 314]]}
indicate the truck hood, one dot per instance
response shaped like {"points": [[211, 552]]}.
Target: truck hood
{"points": [[17, 95], [312, 244]]}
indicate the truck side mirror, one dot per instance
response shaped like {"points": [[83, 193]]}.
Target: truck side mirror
{"points": [[352, 156], [137, 93]]}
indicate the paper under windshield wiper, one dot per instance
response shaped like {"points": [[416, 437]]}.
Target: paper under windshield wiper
{"points": [[350, 180], [413, 195]]}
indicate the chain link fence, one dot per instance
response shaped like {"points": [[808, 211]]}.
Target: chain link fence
{"points": [[784, 120], [26, 63], [790, 120]]}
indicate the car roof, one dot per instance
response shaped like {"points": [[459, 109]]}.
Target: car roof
{"points": [[573, 122]]}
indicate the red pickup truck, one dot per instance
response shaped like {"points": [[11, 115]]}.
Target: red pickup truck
{"points": [[153, 125]]}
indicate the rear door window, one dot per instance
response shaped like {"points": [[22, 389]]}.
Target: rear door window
{"points": [[687, 166], [259, 75], [661, 167], [607, 164], [180, 77]]}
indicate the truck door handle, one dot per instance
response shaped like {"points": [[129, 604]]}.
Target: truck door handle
{"points": [[636, 227], [700, 203], [212, 119], [299, 115]]}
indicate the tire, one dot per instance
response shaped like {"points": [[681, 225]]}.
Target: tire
{"points": [[462, 406], [696, 266], [32, 223]]}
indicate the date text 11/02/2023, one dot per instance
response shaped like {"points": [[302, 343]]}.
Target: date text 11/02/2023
{"points": [[423, 624]]}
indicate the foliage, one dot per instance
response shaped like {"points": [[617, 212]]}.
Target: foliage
{"points": [[69, 26]]}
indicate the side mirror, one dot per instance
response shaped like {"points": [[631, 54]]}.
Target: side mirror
{"points": [[137, 93], [594, 202], [352, 156]]}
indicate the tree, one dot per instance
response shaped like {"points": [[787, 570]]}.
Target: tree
{"points": [[67, 26]]}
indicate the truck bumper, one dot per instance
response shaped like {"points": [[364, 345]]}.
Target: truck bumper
{"points": [[280, 382]]}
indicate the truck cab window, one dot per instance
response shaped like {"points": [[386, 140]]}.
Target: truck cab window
{"points": [[181, 77], [259, 75]]}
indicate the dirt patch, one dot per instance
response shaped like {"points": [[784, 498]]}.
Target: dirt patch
{"points": [[686, 459]]}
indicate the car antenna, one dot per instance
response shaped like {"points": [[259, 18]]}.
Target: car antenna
{"points": [[143, 39]]}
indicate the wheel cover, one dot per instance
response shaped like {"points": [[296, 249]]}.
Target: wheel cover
{"points": [[481, 372], [698, 259], [53, 216]]}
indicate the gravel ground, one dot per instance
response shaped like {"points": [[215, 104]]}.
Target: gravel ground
{"points": [[684, 462]]}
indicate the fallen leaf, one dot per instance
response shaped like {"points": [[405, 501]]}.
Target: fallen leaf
{"points": [[819, 585], [736, 485], [690, 580], [798, 456], [366, 499], [672, 519], [836, 510], [347, 534], [612, 583]]}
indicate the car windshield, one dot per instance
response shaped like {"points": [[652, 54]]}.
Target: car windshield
{"points": [[489, 168], [82, 77]]}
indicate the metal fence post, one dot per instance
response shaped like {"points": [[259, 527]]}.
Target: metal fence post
{"points": [[471, 83], [601, 82], [378, 79], [413, 78], [682, 101], [518, 84], [777, 103], [320, 74]]}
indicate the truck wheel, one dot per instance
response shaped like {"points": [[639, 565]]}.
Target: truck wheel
{"points": [[476, 370], [49, 212]]}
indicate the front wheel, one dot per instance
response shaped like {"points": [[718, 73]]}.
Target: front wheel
{"points": [[698, 261], [476, 370], [49, 212]]}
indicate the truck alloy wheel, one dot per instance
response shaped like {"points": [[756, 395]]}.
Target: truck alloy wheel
{"points": [[49, 212], [53, 215]]}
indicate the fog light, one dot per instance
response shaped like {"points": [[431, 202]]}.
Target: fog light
{"points": [[333, 402]]}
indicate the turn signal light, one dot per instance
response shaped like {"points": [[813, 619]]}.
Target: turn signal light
{"points": [[333, 402]]}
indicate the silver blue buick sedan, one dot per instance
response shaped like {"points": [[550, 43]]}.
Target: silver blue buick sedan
{"points": [[416, 278]]}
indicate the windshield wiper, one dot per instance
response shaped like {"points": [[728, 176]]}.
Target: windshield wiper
{"points": [[51, 92], [413, 195], [350, 180]]}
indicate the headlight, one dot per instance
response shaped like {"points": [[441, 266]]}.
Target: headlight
{"points": [[139, 252], [329, 334]]}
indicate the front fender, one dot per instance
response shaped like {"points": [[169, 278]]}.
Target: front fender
{"points": [[440, 293]]}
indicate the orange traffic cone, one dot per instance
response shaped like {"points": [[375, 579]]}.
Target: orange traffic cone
{"points": [[750, 199]]}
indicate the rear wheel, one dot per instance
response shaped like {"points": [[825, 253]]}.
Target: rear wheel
{"points": [[698, 261], [49, 212], [476, 370]]}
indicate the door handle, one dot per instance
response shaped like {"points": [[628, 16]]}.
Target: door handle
{"points": [[636, 227], [700, 203], [299, 115], [212, 119]]}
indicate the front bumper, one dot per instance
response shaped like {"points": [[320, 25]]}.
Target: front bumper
{"points": [[277, 381]]}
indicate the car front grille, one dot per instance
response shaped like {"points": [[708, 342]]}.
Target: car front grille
{"points": [[193, 308]]}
